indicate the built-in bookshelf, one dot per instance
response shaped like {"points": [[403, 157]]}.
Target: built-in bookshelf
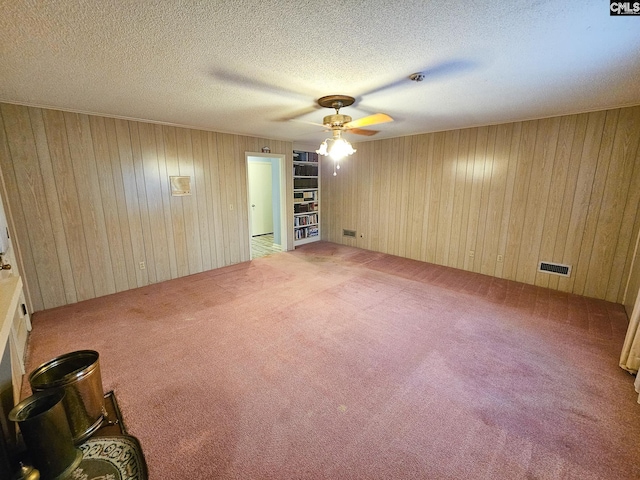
{"points": [[306, 197]]}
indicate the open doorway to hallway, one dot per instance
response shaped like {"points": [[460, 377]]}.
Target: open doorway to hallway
{"points": [[267, 216]]}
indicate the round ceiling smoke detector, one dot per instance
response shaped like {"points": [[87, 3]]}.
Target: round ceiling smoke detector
{"points": [[417, 77]]}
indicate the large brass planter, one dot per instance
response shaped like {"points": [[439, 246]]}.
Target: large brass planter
{"points": [[45, 430], [77, 374]]}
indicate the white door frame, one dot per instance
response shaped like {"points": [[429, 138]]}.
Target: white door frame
{"points": [[263, 197], [284, 232]]}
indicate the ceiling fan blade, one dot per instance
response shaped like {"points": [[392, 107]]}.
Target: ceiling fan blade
{"points": [[300, 113], [308, 123], [431, 72], [374, 119], [362, 131], [255, 84]]}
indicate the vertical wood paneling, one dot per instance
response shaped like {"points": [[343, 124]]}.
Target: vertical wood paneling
{"points": [[118, 185], [200, 146], [69, 201], [230, 229], [34, 201], [13, 204], [88, 188], [448, 187], [517, 217], [50, 189], [467, 161], [396, 175], [582, 194], [614, 200], [505, 214], [354, 193], [562, 184], [347, 191], [175, 203], [217, 206], [149, 180], [628, 293], [415, 207], [479, 261], [631, 293], [191, 232], [435, 179], [385, 162], [564, 188], [403, 197], [594, 208], [519, 245], [425, 155], [165, 189], [108, 196], [374, 225], [560, 189], [239, 167], [477, 179], [131, 199], [491, 246], [362, 170], [90, 200], [536, 205], [142, 203], [459, 163]]}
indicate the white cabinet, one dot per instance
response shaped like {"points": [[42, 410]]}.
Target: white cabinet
{"points": [[14, 327], [306, 197]]}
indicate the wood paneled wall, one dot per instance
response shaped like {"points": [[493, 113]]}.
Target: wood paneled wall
{"points": [[498, 199], [89, 200], [632, 294]]}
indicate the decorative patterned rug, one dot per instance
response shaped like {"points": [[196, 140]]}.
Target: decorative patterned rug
{"points": [[111, 454], [111, 458]]}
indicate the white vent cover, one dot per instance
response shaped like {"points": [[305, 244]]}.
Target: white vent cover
{"points": [[555, 268]]}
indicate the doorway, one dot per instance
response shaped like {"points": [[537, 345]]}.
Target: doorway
{"points": [[267, 199]]}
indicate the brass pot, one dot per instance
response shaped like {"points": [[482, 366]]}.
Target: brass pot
{"points": [[46, 434], [77, 374]]}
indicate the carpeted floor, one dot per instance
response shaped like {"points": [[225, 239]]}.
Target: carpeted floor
{"points": [[331, 362]]}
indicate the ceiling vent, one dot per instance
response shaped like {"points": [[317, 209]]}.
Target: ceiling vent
{"points": [[555, 268]]}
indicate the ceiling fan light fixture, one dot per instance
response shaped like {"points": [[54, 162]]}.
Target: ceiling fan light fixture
{"points": [[336, 147]]}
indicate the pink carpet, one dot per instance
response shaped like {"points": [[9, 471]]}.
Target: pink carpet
{"points": [[331, 362]]}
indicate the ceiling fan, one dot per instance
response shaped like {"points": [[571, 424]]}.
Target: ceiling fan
{"points": [[337, 147], [339, 122]]}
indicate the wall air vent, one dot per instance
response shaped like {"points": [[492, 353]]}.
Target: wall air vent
{"points": [[349, 233], [555, 268]]}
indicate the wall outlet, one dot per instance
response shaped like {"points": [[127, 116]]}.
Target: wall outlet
{"points": [[472, 254], [231, 206], [142, 265], [500, 258]]}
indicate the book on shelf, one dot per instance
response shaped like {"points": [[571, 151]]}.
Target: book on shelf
{"points": [[300, 156], [305, 170], [305, 220], [302, 183], [305, 207]]}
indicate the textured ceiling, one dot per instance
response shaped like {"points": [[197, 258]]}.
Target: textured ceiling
{"points": [[250, 67]]}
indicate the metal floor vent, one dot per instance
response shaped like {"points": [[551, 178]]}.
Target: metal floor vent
{"points": [[349, 233], [555, 268]]}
